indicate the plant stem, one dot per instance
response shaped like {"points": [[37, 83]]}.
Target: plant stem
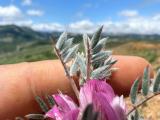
{"points": [[141, 103], [73, 84], [88, 55]]}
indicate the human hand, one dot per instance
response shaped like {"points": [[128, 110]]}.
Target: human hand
{"points": [[20, 83]]}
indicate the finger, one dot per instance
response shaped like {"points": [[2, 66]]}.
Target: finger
{"points": [[21, 82], [130, 67]]}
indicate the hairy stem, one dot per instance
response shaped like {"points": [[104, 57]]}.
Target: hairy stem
{"points": [[142, 102], [88, 55], [73, 84]]}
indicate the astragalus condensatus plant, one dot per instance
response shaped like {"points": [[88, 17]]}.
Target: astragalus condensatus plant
{"points": [[96, 98]]}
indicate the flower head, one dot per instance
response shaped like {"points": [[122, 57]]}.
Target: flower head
{"points": [[98, 93]]}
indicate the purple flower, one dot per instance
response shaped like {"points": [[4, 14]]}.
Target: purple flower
{"points": [[98, 93], [65, 108]]}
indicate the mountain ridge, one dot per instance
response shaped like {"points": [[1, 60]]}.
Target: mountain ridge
{"points": [[13, 37]]}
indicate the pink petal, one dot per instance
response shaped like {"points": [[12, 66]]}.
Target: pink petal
{"points": [[64, 102], [103, 107], [54, 113], [86, 92], [119, 107], [71, 115], [64, 105]]}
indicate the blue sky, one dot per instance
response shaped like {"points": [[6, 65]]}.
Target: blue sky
{"points": [[117, 16]]}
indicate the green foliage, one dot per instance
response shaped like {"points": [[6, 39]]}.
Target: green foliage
{"points": [[148, 91], [96, 65], [156, 86], [28, 54], [145, 81], [42, 104], [101, 72], [134, 90], [71, 53], [136, 116], [50, 100], [17, 42], [62, 39], [74, 67], [96, 37]]}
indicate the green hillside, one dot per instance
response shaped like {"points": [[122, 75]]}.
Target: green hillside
{"points": [[13, 37], [19, 44]]}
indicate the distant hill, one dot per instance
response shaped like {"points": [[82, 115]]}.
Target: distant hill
{"points": [[134, 37], [12, 36], [18, 44], [13, 33]]}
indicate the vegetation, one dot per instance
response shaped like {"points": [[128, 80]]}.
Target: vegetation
{"points": [[18, 44]]}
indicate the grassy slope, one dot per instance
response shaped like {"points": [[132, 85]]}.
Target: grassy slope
{"points": [[40, 52], [150, 51]]}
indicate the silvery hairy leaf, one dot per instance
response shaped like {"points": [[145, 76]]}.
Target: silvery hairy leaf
{"points": [[97, 64], [101, 56], [100, 73], [35, 116], [50, 100], [145, 81], [156, 85], [110, 61], [42, 104], [96, 37], [136, 115], [74, 67], [99, 45], [82, 65], [61, 40], [67, 44], [71, 53], [134, 90], [86, 40]]}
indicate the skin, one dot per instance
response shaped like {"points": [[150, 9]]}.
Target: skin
{"points": [[20, 83]]}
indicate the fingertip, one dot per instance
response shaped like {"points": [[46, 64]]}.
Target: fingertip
{"points": [[130, 67]]}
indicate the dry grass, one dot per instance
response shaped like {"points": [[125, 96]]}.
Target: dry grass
{"points": [[150, 51], [150, 110]]}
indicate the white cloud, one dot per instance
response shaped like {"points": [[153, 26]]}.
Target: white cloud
{"points": [[139, 25], [156, 17], [12, 15], [27, 2], [48, 27], [35, 12], [76, 27], [129, 13], [81, 26], [9, 12], [133, 22], [17, 22]]}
